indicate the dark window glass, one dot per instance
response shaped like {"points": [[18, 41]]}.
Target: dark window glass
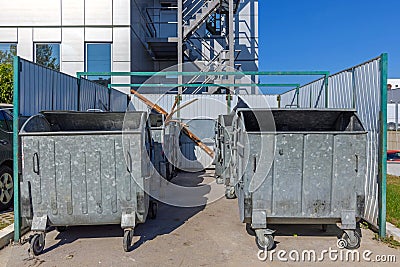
{"points": [[7, 52], [48, 55], [3, 123], [9, 118], [98, 59]]}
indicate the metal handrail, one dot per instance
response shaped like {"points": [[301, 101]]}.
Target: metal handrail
{"points": [[159, 23], [203, 3]]}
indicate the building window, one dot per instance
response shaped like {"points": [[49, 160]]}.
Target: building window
{"points": [[98, 59], [7, 52], [48, 55]]}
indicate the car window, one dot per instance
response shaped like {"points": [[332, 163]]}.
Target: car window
{"points": [[3, 123], [9, 118], [393, 156]]}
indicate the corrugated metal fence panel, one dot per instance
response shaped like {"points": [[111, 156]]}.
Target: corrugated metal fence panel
{"points": [[289, 99], [118, 101], [66, 93], [304, 97], [44, 89], [318, 95], [261, 101], [341, 90], [367, 80], [87, 95], [102, 97], [359, 88], [206, 106]]}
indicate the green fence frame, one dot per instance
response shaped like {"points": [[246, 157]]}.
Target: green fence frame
{"points": [[325, 74], [17, 216], [383, 146]]}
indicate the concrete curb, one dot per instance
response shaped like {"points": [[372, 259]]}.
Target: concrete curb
{"points": [[6, 235], [392, 230]]}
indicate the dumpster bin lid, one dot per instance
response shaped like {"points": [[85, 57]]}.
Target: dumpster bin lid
{"points": [[301, 120], [71, 121]]}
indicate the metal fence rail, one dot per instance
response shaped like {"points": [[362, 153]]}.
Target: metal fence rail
{"points": [[362, 87]]}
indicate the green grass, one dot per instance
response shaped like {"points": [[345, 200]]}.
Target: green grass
{"points": [[393, 200], [3, 225], [388, 240]]}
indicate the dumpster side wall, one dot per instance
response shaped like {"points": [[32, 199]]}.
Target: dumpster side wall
{"points": [[78, 180], [311, 176]]}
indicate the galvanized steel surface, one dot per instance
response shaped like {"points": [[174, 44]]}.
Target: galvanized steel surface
{"points": [[82, 176], [359, 88], [315, 171]]}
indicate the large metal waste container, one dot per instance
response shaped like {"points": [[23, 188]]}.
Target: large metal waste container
{"points": [[223, 151], [81, 168], [309, 169], [161, 141]]}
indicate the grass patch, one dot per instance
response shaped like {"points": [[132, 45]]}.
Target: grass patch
{"points": [[388, 240], [393, 200], [3, 225]]}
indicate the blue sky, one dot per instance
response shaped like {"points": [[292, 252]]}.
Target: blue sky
{"points": [[328, 35]]}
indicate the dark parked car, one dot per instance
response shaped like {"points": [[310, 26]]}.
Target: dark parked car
{"points": [[393, 155], [6, 155]]}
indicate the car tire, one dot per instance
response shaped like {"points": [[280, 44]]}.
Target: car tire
{"points": [[6, 188]]}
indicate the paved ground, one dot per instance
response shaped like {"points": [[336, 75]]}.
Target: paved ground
{"points": [[205, 236], [393, 168]]}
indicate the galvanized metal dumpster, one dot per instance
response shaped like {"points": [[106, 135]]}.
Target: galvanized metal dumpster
{"points": [[223, 154], [78, 170], [159, 140], [314, 173]]}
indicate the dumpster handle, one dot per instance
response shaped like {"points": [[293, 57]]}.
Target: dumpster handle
{"points": [[129, 163], [36, 163], [356, 163], [254, 163]]}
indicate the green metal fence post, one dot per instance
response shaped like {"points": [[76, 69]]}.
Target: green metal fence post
{"points": [[17, 217], [383, 146]]}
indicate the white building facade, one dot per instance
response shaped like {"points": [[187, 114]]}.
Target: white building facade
{"points": [[110, 35]]}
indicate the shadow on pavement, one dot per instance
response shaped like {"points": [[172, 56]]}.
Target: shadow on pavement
{"points": [[168, 219]]}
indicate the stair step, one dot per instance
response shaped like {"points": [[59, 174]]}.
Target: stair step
{"points": [[201, 16]]}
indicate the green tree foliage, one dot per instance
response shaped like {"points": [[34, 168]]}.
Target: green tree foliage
{"points": [[44, 56], [6, 74]]}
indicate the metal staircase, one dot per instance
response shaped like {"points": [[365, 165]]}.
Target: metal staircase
{"points": [[213, 17], [199, 16], [205, 36]]}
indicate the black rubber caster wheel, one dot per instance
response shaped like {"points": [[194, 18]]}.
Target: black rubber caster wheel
{"points": [[230, 193], [127, 240], [250, 230], [266, 243], [353, 241], [37, 244], [153, 209]]}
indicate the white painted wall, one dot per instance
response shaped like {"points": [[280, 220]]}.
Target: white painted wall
{"points": [[72, 23], [395, 83]]}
